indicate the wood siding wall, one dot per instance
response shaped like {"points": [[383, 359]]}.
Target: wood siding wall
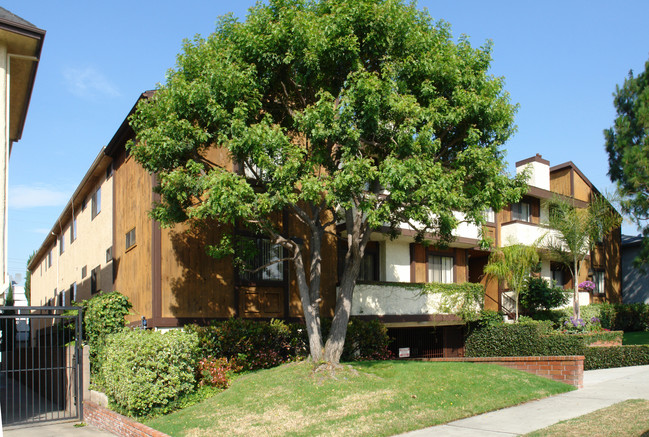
{"points": [[133, 199]]}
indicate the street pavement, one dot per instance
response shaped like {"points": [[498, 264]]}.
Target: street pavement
{"points": [[602, 388]]}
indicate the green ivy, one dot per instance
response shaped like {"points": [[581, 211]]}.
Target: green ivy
{"points": [[102, 315], [616, 356], [465, 300]]}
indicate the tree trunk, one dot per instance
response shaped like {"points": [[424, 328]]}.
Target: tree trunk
{"points": [[336, 340], [311, 309], [575, 304]]}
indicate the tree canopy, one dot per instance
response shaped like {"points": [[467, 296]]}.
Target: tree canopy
{"points": [[627, 144], [355, 112]]}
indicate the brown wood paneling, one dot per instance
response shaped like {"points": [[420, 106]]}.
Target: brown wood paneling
{"points": [[535, 204], [194, 284], [261, 302], [560, 182], [461, 268], [419, 254], [582, 189], [133, 196]]}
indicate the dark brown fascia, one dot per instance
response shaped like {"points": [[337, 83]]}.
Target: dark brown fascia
{"points": [[100, 164], [39, 35], [125, 132], [536, 158]]}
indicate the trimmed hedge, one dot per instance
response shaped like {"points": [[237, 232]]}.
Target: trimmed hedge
{"points": [[625, 317], [616, 356], [613, 316], [149, 370], [520, 340]]}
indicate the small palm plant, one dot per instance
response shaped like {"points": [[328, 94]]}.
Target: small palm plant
{"points": [[513, 265]]}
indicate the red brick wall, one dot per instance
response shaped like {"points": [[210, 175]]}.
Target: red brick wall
{"points": [[568, 369], [116, 423]]}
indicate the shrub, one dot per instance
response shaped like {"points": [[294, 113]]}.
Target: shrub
{"points": [[216, 372], [252, 344], [102, 315], [538, 295], [615, 356], [625, 317], [366, 340], [147, 370], [521, 339]]}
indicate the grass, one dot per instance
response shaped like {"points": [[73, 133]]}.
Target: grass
{"points": [[370, 398], [641, 337], [626, 419]]}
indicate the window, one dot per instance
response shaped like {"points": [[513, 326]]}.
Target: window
{"points": [[84, 271], [268, 255], [489, 215], [49, 258], [598, 279], [130, 239], [109, 254], [73, 230], [521, 211], [440, 269], [96, 203], [62, 243], [561, 276], [94, 280], [73, 291]]}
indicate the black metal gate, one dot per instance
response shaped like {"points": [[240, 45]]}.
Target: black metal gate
{"points": [[41, 377]]}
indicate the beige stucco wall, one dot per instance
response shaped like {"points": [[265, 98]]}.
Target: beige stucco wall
{"points": [[94, 237]]}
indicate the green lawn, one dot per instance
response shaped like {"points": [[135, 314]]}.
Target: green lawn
{"points": [[625, 419], [641, 337], [370, 398]]}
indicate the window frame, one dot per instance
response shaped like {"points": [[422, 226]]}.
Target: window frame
{"points": [[517, 213], [95, 204], [441, 255], [130, 239], [258, 277]]}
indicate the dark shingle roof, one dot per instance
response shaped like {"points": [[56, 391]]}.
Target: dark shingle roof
{"points": [[5, 15]]}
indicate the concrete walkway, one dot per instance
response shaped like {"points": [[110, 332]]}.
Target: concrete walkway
{"points": [[602, 388], [61, 429]]}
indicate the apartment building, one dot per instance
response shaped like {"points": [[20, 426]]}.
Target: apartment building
{"points": [[171, 280], [75, 260]]}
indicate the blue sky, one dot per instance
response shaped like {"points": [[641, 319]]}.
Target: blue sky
{"points": [[561, 61]]}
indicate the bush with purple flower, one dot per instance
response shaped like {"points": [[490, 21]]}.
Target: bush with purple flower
{"points": [[588, 286]]}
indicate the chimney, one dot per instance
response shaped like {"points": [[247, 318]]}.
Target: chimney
{"points": [[539, 171]]}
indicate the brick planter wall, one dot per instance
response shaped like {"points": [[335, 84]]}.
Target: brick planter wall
{"points": [[116, 423], [568, 369]]}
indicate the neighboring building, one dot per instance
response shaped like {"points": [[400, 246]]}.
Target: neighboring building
{"points": [[75, 260], [635, 281], [20, 51], [170, 279]]}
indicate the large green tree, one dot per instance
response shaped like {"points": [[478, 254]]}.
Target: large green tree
{"points": [[576, 232], [360, 113], [627, 144]]}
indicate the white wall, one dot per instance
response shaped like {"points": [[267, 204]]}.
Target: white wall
{"points": [[381, 300]]}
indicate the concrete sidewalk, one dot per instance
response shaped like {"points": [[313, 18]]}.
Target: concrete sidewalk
{"points": [[602, 388]]}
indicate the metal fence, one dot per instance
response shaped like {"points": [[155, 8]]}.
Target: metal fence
{"points": [[41, 376]]}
